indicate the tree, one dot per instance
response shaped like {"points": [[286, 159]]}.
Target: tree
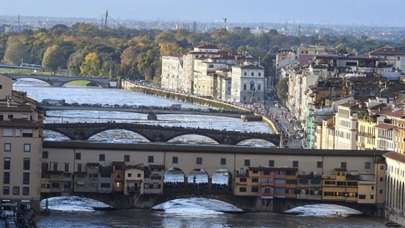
{"points": [[91, 64], [170, 49], [282, 89], [129, 64], [16, 51], [54, 58], [75, 61]]}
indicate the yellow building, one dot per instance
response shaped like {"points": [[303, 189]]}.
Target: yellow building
{"points": [[340, 186], [367, 133], [397, 119]]}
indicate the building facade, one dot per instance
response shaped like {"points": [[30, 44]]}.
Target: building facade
{"points": [[21, 142]]}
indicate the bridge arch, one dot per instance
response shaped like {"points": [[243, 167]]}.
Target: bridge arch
{"points": [[110, 128], [198, 176], [55, 135], [31, 79], [256, 142], [182, 137], [174, 175], [89, 81], [119, 135]]}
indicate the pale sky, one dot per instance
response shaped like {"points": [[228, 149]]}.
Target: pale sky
{"points": [[359, 12]]}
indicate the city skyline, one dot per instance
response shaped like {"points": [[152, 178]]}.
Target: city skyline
{"points": [[345, 12]]}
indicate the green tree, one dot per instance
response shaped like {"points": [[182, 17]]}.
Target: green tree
{"points": [[91, 64], [16, 51], [54, 58], [75, 61], [282, 89], [129, 63]]}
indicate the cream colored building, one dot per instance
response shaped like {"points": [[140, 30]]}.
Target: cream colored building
{"points": [[346, 121], [21, 143], [248, 84], [395, 187]]}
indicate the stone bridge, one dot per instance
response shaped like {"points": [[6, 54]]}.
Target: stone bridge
{"points": [[83, 131], [59, 81]]}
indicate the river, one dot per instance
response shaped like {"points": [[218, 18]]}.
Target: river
{"points": [[90, 95], [146, 218]]}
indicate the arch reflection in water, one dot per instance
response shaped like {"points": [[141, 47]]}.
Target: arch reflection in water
{"points": [[118, 136]]}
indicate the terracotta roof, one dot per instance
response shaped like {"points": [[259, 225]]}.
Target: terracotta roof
{"points": [[385, 126], [397, 114], [389, 51], [395, 156]]}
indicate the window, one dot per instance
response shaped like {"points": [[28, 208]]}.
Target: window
{"points": [[78, 156], [55, 166], [105, 185], [16, 190], [175, 160], [10, 117], [150, 159], [319, 164], [27, 147], [101, 157], [6, 178], [244, 87], [223, 161], [242, 189], [44, 168], [367, 165], [6, 190], [79, 167], [27, 133], [7, 132], [260, 74], [139, 175], [26, 178], [271, 163], [7, 163], [259, 87], [242, 179], [1, 117], [27, 164], [247, 162], [66, 167], [343, 165], [7, 147], [45, 154], [252, 74], [127, 158], [295, 164], [26, 191], [129, 175], [199, 161], [255, 180], [255, 189]]}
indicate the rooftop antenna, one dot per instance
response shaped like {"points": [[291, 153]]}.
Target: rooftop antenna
{"points": [[225, 23], [106, 19], [19, 22]]}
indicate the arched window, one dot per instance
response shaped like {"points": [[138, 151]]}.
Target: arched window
{"points": [[244, 87]]}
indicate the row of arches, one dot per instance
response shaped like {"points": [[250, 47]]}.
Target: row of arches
{"points": [[126, 136]]}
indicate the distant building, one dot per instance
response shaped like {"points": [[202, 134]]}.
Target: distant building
{"points": [[207, 71], [248, 84], [393, 56]]}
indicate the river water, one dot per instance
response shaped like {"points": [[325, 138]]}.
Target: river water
{"points": [[146, 218], [87, 95]]}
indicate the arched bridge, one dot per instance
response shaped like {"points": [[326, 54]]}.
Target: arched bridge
{"points": [[59, 81], [83, 131]]}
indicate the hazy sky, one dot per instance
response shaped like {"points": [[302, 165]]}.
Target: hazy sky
{"points": [[370, 12]]}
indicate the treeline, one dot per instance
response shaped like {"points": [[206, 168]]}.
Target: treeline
{"points": [[86, 49]]}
